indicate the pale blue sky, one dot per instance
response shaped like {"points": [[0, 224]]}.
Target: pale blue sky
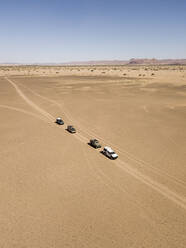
{"points": [[77, 30]]}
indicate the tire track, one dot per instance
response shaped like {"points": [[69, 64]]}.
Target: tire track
{"points": [[125, 153], [22, 111], [42, 97], [29, 102], [99, 174], [114, 188], [139, 161], [129, 155], [163, 190], [37, 108]]}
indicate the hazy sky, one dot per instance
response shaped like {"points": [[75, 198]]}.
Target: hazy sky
{"points": [[77, 30]]}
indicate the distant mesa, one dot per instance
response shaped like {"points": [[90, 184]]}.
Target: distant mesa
{"points": [[132, 61], [157, 61]]}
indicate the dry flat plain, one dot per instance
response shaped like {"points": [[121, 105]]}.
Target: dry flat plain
{"points": [[56, 191]]}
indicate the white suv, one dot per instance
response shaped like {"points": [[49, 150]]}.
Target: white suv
{"points": [[107, 151]]}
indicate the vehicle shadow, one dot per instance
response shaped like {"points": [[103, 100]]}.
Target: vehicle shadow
{"points": [[101, 152], [91, 146], [58, 123], [66, 129], [106, 156]]}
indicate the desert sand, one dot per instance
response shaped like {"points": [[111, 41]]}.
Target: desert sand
{"points": [[56, 191]]}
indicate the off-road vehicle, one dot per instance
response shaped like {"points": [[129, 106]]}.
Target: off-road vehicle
{"points": [[94, 143], [107, 151], [59, 121], [71, 129]]}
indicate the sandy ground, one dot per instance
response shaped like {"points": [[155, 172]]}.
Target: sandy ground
{"points": [[56, 191]]}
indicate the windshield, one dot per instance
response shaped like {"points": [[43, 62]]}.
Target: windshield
{"points": [[112, 152]]}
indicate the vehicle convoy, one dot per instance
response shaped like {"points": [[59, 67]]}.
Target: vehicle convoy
{"points": [[95, 143], [71, 129], [107, 151], [59, 121]]}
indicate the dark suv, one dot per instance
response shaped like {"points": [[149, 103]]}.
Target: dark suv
{"points": [[71, 129], [95, 143]]}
